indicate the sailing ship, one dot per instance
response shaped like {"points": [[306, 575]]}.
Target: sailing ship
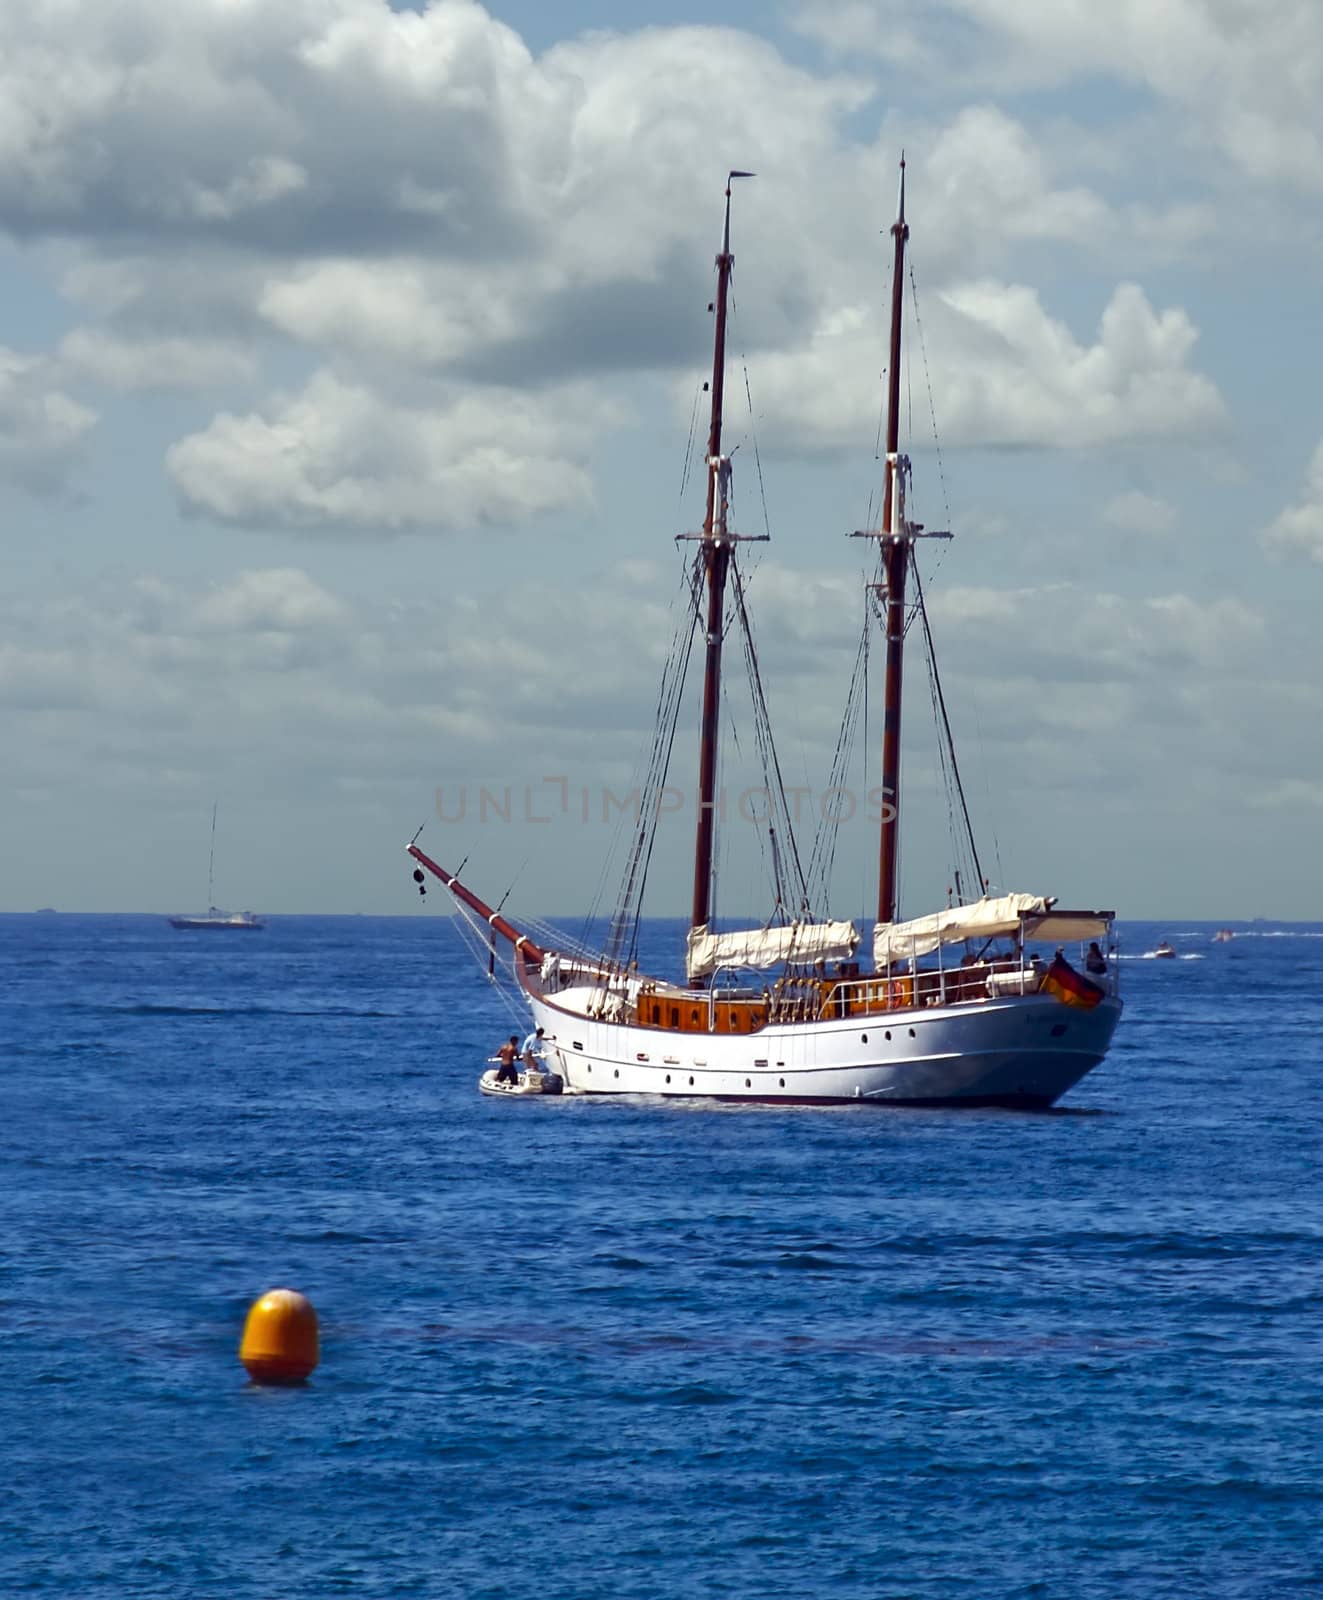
{"points": [[955, 1008], [215, 920]]}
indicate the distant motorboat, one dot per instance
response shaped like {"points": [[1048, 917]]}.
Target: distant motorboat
{"points": [[1223, 936], [1165, 952]]}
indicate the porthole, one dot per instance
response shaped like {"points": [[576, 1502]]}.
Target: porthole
{"points": [[864, 1037], [748, 1083], [668, 1077], [691, 1083], [783, 1083], [911, 1033], [617, 1072], [888, 1035]]}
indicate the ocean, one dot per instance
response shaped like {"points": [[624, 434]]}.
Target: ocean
{"points": [[578, 1348]]}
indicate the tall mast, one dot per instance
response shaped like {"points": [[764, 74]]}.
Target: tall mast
{"points": [[895, 560], [716, 551], [211, 859]]}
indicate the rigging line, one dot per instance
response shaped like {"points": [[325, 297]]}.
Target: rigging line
{"points": [[500, 904], [650, 832], [669, 695], [932, 408], [476, 936], [643, 774], [946, 721], [826, 833], [757, 459], [764, 718], [958, 855], [689, 448]]}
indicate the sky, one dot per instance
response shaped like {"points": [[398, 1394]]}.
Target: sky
{"points": [[349, 357]]}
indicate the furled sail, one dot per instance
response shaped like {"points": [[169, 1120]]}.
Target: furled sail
{"points": [[988, 918], [769, 947]]}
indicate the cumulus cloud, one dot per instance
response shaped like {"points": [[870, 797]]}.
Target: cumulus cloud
{"points": [[1299, 529], [338, 456], [273, 598], [1004, 372], [100, 356], [131, 121], [409, 194], [42, 429], [1248, 90], [1137, 512]]}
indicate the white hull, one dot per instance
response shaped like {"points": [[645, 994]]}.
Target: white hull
{"points": [[1016, 1051]]}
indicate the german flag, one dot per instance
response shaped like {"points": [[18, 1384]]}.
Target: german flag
{"points": [[1070, 987]]}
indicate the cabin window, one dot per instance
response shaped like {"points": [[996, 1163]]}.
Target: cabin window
{"points": [[675, 1016]]}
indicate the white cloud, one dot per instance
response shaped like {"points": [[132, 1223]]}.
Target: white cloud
{"points": [[1245, 81], [1138, 512], [1291, 794], [338, 456], [98, 355], [42, 428], [1004, 372], [1299, 529], [272, 598]]}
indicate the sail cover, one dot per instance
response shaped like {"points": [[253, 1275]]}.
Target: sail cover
{"points": [[984, 919], [769, 947]]}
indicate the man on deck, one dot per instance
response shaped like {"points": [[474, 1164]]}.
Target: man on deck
{"points": [[507, 1072], [533, 1050]]}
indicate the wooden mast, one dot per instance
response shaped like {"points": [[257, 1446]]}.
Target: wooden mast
{"points": [[895, 560], [716, 549]]}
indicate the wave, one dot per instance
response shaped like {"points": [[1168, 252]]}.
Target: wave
{"points": [[146, 1009]]}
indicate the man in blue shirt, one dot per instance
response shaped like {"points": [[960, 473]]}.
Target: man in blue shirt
{"points": [[534, 1049]]}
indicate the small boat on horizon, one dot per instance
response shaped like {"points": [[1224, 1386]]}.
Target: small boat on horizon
{"points": [[1164, 952], [215, 920], [1223, 936]]}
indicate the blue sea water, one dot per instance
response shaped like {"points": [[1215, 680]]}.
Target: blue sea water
{"points": [[587, 1348]]}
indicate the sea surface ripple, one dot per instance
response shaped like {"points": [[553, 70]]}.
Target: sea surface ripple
{"points": [[578, 1348]]}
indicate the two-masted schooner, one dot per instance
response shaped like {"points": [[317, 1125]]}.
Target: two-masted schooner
{"points": [[956, 1007]]}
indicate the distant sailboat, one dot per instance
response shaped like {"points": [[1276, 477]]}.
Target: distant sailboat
{"points": [[215, 919]]}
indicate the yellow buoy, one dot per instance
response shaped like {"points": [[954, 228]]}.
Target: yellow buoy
{"points": [[279, 1343]]}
